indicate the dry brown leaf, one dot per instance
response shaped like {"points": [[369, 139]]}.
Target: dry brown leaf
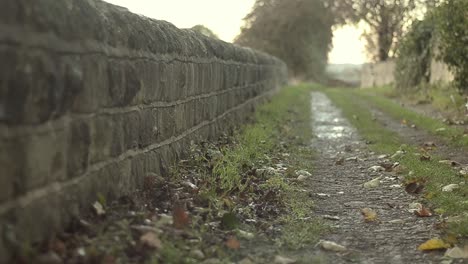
{"points": [[433, 244], [180, 216], [429, 144], [425, 157], [423, 212], [340, 161], [151, 240], [58, 247], [369, 214], [232, 243], [414, 187]]}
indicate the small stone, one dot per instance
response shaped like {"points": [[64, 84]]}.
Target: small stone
{"points": [[331, 217], [303, 172], [197, 254], [397, 221], [450, 187], [377, 168], [331, 246], [245, 234], [302, 178]]}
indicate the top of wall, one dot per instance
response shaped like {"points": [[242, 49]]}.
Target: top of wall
{"points": [[96, 22]]}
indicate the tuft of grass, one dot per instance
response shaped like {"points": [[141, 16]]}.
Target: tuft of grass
{"points": [[452, 204]]}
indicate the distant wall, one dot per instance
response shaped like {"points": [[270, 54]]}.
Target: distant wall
{"points": [[377, 74], [93, 98], [440, 72]]}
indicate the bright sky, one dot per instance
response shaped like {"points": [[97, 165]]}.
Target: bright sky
{"points": [[224, 18]]}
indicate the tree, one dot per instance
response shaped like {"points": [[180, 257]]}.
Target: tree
{"points": [[297, 31], [204, 30], [452, 29], [387, 20]]}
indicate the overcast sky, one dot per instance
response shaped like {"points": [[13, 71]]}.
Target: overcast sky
{"points": [[224, 17]]}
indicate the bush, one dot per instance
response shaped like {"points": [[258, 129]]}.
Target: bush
{"points": [[452, 27], [414, 55]]}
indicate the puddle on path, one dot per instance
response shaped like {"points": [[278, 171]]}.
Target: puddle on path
{"points": [[329, 125]]}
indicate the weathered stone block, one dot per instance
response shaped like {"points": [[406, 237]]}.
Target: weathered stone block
{"points": [[78, 146]]}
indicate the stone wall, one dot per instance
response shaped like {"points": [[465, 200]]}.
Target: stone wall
{"points": [[377, 74], [440, 72], [382, 73], [93, 98]]}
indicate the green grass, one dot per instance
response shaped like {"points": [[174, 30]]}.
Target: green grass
{"points": [[436, 175], [452, 135], [442, 97]]}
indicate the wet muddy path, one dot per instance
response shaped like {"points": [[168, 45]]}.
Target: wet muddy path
{"points": [[343, 164]]}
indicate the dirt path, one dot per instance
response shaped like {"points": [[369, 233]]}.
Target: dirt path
{"points": [[339, 192], [416, 136]]}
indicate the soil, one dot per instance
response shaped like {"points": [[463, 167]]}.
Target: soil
{"points": [[396, 234]]}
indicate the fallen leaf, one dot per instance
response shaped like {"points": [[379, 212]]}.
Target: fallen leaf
{"points": [[440, 129], [369, 214], [58, 247], [398, 154], [457, 252], [98, 208], [450, 162], [179, 216], [423, 212], [425, 157], [151, 240], [433, 244], [450, 187], [372, 183], [331, 246], [404, 122], [388, 166], [340, 161], [414, 187], [429, 144], [232, 243], [283, 260]]}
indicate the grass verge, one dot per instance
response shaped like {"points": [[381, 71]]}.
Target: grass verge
{"points": [[231, 200], [452, 135], [451, 205]]}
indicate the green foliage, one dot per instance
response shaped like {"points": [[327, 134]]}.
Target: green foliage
{"points": [[452, 25], [205, 31], [414, 53], [297, 31]]}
